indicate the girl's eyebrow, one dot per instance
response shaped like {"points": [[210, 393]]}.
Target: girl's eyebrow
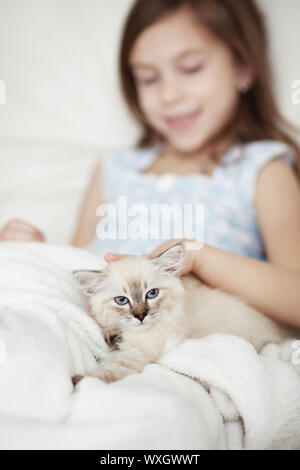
{"points": [[138, 65]]}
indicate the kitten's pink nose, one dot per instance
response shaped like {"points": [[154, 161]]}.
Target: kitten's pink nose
{"points": [[140, 316]]}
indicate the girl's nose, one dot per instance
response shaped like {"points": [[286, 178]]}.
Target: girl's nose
{"points": [[170, 92]]}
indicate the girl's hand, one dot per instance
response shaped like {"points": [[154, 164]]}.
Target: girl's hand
{"points": [[110, 257], [18, 230], [191, 249]]}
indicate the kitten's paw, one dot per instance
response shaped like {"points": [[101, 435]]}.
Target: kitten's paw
{"points": [[76, 379]]}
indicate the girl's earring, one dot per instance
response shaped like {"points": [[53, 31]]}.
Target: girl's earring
{"points": [[244, 88]]}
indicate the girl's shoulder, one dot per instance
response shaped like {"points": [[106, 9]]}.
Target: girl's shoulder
{"points": [[253, 156], [257, 154], [247, 159], [125, 159], [265, 150], [120, 167]]}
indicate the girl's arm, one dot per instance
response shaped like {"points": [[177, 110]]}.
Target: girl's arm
{"points": [[272, 288], [86, 225]]}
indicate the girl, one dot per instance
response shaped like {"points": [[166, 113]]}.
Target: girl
{"points": [[195, 74]]}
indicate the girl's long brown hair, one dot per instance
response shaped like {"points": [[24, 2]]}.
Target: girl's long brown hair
{"points": [[241, 26]]}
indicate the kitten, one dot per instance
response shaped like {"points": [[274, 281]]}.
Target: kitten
{"points": [[144, 308]]}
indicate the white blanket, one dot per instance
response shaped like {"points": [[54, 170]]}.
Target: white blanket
{"points": [[214, 393]]}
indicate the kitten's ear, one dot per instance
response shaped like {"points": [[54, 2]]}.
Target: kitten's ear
{"points": [[90, 281], [170, 260]]}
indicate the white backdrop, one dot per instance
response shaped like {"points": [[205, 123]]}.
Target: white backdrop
{"points": [[58, 59]]}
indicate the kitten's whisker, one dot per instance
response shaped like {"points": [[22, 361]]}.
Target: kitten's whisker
{"points": [[153, 314]]}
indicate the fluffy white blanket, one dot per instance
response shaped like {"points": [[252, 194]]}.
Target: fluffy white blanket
{"points": [[214, 393]]}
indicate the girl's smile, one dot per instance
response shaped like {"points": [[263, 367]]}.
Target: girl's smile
{"points": [[183, 123]]}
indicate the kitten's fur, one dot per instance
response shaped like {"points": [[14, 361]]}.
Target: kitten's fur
{"points": [[184, 308]]}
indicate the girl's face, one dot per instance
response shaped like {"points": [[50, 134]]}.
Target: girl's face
{"points": [[183, 71]]}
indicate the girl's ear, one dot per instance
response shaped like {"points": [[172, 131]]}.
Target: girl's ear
{"points": [[245, 78], [90, 281], [170, 260]]}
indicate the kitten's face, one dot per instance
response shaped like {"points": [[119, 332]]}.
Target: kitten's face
{"points": [[134, 292]]}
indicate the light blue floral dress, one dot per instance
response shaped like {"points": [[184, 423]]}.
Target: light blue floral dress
{"points": [[217, 210]]}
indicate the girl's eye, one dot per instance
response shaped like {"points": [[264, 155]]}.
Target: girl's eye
{"points": [[151, 294], [194, 69], [150, 81], [146, 82], [120, 300], [153, 80]]}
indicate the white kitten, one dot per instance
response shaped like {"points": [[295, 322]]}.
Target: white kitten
{"points": [[144, 307]]}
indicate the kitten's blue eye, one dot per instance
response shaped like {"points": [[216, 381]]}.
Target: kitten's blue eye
{"points": [[120, 300], [151, 294]]}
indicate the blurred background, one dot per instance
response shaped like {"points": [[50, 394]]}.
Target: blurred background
{"points": [[63, 110]]}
